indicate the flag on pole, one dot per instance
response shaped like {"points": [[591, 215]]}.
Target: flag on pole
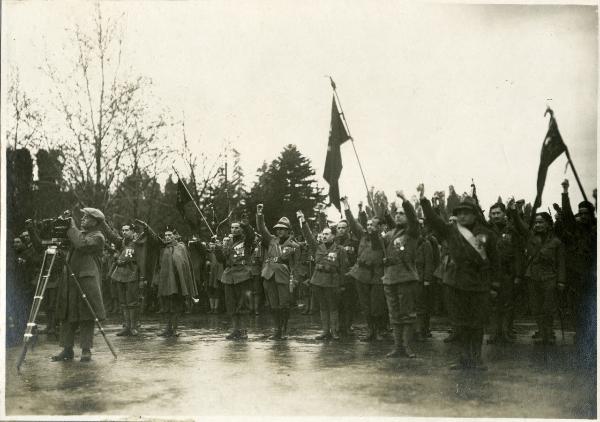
{"points": [[333, 162], [183, 197], [552, 148]]}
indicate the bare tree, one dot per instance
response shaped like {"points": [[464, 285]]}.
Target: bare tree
{"points": [[111, 129], [25, 123]]}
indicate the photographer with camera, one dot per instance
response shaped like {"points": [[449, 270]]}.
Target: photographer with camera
{"points": [[83, 261]]}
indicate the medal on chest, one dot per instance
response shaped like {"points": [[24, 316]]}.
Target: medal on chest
{"points": [[399, 244], [332, 256], [238, 251]]}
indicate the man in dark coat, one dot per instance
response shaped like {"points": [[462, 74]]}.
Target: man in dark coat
{"points": [[84, 260], [472, 248], [509, 259], [175, 282]]}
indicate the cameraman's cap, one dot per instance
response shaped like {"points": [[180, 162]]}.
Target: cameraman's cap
{"points": [[94, 213], [283, 223]]}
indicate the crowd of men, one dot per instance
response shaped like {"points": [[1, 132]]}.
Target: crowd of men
{"points": [[397, 267]]}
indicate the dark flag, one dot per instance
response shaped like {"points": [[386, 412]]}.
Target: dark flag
{"points": [[552, 147], [333, 162], [183, 197]]}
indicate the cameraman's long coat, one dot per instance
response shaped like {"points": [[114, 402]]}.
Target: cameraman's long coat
{"points": [[85, 261]]}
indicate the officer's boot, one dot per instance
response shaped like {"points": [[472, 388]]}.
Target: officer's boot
{"points": [[427, 323], [277, 314], [379, 326], [408, 331], [126, 331], [168, 329], [235, 333], [175, 324], [398, 350], [256, 300], [325, 334], [476, 346], [507, 333], [335, 325], [285, 317], [371, 330], [133, 313], [462, 338], [420, 331]]}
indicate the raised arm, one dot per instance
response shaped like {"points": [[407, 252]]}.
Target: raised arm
{"points": [[308, 235], [260, 224], [567, 211], [112, 235], [436, 222], [354, 226], [411, 215], [517, 220]]}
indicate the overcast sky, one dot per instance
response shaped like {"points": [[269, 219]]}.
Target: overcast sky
{"points": [[433, 93]]}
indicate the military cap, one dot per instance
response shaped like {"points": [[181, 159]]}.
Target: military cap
{"points": [[283, 223]]}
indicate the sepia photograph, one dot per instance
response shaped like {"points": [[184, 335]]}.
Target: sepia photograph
{"points": [[259, 209]]}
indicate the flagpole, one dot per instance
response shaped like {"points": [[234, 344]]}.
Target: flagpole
{"points": [[369, 197], [551, 112], [575, 173], [194, 202]]}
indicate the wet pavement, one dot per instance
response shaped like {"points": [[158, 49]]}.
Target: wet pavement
{"points": [[201, 373]]}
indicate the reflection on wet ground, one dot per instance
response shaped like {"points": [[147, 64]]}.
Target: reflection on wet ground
{"points": [[201, 373]]}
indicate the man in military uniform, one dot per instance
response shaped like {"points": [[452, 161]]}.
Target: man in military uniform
{"points": [[544, 269], [330, 268], [127, 276], [367, 273], [425, 268], [279, 262], [508, 247], [235, 254], [581, 229], [472, 248], [348, 295], [87, 246], [400, 279]]}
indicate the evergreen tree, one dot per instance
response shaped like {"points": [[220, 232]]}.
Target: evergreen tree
{"points": [[286, 185]]}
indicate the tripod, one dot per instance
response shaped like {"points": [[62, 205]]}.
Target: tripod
{"points": [[43, 277]]}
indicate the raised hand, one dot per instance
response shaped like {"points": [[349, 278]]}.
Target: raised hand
{"points": [[565, 185], [259, 209], [421, 190], [400, 194]]}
